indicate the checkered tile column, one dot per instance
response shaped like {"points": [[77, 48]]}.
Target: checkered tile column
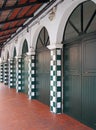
{"points": [[31, 78], [19, 74], [6, 73], [11, 73], [1, 72], [55, 81]]}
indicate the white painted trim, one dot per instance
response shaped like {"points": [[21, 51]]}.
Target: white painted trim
{"points": [[54, 46]]}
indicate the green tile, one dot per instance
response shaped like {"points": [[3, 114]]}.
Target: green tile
{"points": [[59, 99], [51, 87], [51, 68], [58, 78], [58, 57], [54, 104], [58, 67], [59, 89], [58, 110]]}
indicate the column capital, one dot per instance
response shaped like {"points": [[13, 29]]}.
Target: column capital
{"points": [[31, 51], [17, 57], [55, 46], [10, 58]]}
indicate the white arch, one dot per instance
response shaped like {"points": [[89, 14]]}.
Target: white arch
{"points": [[6, 53], [2, 55], [35, 36], [20, 46], [12, 51], [65, 17]]}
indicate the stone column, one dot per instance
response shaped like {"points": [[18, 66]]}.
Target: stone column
{"points": [[55, 79]]}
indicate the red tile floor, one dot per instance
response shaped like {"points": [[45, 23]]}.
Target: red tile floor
{"points": [[19, 113]]}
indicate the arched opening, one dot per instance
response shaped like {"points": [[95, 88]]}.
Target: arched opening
{"points": [[43, 67], [25, 67], [7, 56], [79, 64], [14, 53], [81, 21], [25, 47]]}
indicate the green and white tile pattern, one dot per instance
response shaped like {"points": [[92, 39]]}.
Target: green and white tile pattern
{"points": [[1, 72], [31, 78], [11, 73], [6, 73], [19, 74], [55, 81]]}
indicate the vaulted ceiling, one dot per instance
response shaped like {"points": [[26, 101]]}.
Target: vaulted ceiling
{"points": [[13, 14]]}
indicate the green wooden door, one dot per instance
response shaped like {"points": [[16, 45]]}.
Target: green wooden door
{"points": [[72, 80], [43, 67], [25, 74], [89, 82], [43, 76], [80, 80]]}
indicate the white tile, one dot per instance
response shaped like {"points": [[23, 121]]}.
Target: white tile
{"points": [[58, 83], [51, 63], [33, 86], [51, 53], [51, 103], [33, 64], [58, 52], [33, 72], [54, 88], [19, 71], [54, 57], [51, 93], [19, 82], [19, 88], [54, 109], [51, 73], [54, 99], [59, 62], [58, 94], [58, 73], [54, 67], [33, 57], [54, 78], [33, 94], [33, 79], [51, 83], [58, 105]]}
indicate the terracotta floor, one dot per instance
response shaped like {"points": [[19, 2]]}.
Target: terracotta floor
{"points": [[19, 113]]}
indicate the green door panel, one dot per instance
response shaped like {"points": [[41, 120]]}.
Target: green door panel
{"points": [[43, 76], [25, 74], [72, 94], [89, 82], [89, 56], [80, 80], [72, 80], [89, 100]]}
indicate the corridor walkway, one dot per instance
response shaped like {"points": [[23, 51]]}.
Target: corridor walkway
{"points": [[19, 113]]}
